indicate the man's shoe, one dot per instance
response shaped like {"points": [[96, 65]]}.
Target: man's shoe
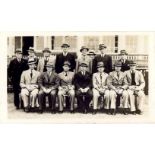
{"points": [[94, 112], [139, 112], [133, 112]]}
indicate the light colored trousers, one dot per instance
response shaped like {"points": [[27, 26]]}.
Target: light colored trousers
{"points": [[136, 101], [61, 96], [29, 97], [113, 96], [96, 96]]}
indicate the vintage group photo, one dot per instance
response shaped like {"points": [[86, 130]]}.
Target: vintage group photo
{"points": [[90, 77]]}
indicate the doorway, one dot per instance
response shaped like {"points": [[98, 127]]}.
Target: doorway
{"points": [[26, 43]]}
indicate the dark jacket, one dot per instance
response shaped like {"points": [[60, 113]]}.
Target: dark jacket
{"points": [[107, 60], [60, 58], [81, 81], [15, 69], [125, 66]]}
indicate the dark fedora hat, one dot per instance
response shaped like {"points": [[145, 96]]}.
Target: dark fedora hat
{"points": [[46, 50], [50, 65], [18, 50], [102, 46], [84, 47], [31, 61], [118, 64], [132, 63], [123, 52], [83, 64], [31, 49], [67, 63], [100, 64], [65, 45], [91, 52]]}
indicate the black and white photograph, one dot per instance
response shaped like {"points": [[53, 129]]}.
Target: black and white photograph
{"points": [[78, 77]]}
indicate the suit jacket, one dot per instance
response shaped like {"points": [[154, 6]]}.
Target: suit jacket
{"points": [[139, 78], [107, 60], [115, 81], [98, 82], [66, 80], [60, 58], [27, 80], [41, 63], [48, 81], [15, 69], [125, 65], [81, 81]]}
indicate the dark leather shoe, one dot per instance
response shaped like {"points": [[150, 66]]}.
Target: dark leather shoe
{"points": [[72, 111], [133, 112], [94, 112], [139, 112], [60, 112], [26, 109], [85, 111]]}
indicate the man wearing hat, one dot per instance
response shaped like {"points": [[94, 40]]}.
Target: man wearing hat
{"points": [[83, 87], [15, 69], [29, 86], [100, 88], [118, 88], [106, 59], [32, 55], [65, 56], [125, 62], [84, 58], [48, 83], [136, 84], [43, 61], [66, 87]]}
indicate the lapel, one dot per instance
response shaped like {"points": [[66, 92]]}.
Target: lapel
{"points": [[46, 76]]}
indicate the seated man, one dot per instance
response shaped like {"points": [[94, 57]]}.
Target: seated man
{"points": [[136, 85], [83, 85], [29, 85], [48, 82], [118, 85], [66, 87], [100, 87]]}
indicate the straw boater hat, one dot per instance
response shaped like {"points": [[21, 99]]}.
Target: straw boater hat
{"points": [[65, 45], [31, 61], [18, 50], [91, 52], [84, 47]]}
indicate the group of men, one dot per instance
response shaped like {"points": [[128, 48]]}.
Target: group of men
{"points": [[85, 80]]}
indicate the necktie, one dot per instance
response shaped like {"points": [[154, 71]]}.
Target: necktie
{"points": [[101, 78], [44, 70], [133, 78], [65, 73], [118, 75], [31, 74]]}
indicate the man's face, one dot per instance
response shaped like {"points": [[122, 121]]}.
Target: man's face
{"points": [[84, 52], [31, 66], [49, 69], [66, 68], [133, 67], [46, 54], [100, 69], [123, 56], [65, 49], [83, 68], [31, 54], [102, 50], [117, 69], [18, 55]]}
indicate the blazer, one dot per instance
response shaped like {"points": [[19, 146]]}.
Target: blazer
{"points": [[139, 79], [60, 58], [82, 81], [107, 60], [48, 81], [66, 80], [41, 63], [98, 82], [115, 81], [27, 80], [125, 65], [15, 69]]}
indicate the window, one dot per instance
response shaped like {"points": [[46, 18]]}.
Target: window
{"points": [[109, 41], [131, 43]]}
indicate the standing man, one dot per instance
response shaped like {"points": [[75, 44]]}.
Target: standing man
{"points": [[29, 86], [43, 61], [118, 85], [83, 86], [106, 59], [100, 88], [66, 87], [48, 83], [136, 84], [32, 55], [65, 56], [15, 69], [125, 62]]}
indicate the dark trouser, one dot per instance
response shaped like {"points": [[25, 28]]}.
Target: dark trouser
{"points": [[51, 99], [16, 91], [84, 99]]}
